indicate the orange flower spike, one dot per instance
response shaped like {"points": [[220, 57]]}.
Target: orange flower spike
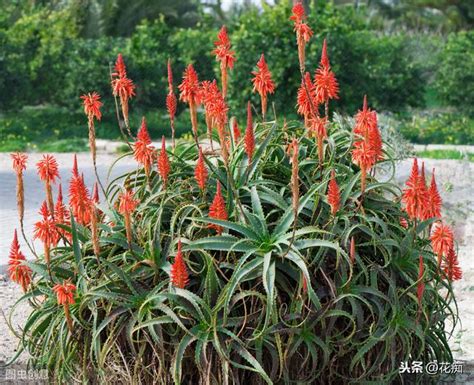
{"points": [[236, 131], [92, 104], [434, 201], [95, 220], [19, 165], [224, 55], [352, 252], [451, 267], [17, 270], [422, 213], [163, 162], [421, 284], [171, 103], [79, 196], [48, 172], [263, 83], [249, 140], [190, 93], [200, 172], [217, 210], [46, 231], [334, 195], [303, 31], [122, 86], [306, 98], [127, 205], [414, 195], [442, 240], [326, 85], [61, 214], [179, 274], [143, 151], [65, 297]]}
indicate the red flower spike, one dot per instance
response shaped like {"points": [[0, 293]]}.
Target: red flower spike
{"points": [[45, 230], [48, 169], [217, 210], [79, 197], [414, 195], [403, 222], [18, 272], [19, 162], [189, 87], [421, 284], [263, 83], [434, 200], [200, 172], [249, 134], [334, 195], [163, 162], [61, 214], [303, 31], [92, 105], [306, 98], [65, 293], [171, 105], [442, 240], [127, 203], [324, 56], [119, 68], [224, 55], [451, 266], [143, 151], [326, 85], [236, 131], [179, 274]]}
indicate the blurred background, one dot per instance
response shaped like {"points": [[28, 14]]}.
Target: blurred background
{"points": [[413, 58]]}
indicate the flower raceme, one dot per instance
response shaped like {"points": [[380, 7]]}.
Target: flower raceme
{"points": [[92, 105], [451, 267], [17, 270], [179, 274], [224, 55], [95, 220], [164, 167], [326, 85], [249, 140], [48, 172], [433, 209], [190, 93], [171, 103], [143, 151], [122, 86], [217, 210], [318, 129], [200, 172], [65, 297], [61, 214], [415, 195], [236, 131], [303, 31], [334, 195], [79, 197], [127, 205], [45, 230], [442, 240], [263, 83], [19, 165], [306, 99]]}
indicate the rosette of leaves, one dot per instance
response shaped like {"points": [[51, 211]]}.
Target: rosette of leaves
{"points": [[276, 298]]}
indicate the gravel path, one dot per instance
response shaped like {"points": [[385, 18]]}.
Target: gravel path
{"points": [[455, 180]]}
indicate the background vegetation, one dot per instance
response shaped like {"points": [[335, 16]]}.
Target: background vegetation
{"points": [[411, 66]]}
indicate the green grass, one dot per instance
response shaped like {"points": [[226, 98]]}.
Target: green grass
{"points": [[56, 129], [445, 154]]}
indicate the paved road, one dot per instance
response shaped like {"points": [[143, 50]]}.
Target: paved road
{"points": [[34, 191]]}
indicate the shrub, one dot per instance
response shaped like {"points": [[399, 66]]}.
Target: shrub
{"points": [[251, 260], [454, 79]]}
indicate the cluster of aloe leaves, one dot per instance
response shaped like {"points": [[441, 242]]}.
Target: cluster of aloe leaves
{"points": [[274, 299]]}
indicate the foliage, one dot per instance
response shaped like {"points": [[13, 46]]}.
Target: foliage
{"points": [[446, 154], [279, 297], [455, 79], [437, 127]]}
